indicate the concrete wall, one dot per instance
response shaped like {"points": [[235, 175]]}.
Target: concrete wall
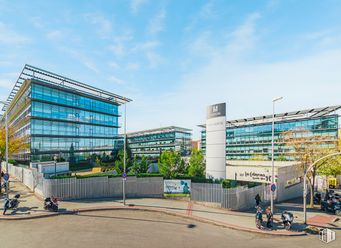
{"points": [[28, 176], [289, 174]]}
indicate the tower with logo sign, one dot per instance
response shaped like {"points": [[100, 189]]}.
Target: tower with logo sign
{"points": [[216, 141]]}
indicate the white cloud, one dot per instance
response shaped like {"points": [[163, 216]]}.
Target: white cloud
{"points": [[156, 24], [6, 83], [135, 5], [113, 65], [55, 35], [82, 58], [154, 59], [207, 11], [116, 80], [248, 87], [133, 66], [102, 24], [244, 36], [10, 37]]}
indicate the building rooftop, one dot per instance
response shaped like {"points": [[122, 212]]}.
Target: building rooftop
{"points": [[31, 72], [159, 130], [300, 114]]}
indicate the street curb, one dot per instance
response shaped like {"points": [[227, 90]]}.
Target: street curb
{"points": [[151, 209]]}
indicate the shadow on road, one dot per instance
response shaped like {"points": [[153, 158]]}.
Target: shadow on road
{"points": [[136, 219]]}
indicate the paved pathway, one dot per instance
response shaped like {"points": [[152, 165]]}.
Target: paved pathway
{"points": [[31, 206]]}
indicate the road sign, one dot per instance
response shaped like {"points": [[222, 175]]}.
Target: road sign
{"points": [[124, 175], [273, 187], [6, 177]]}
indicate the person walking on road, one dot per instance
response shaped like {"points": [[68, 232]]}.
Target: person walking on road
{"points": [[269, 216], [258, 200]]}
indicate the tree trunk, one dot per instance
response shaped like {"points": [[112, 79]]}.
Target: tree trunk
{"points": [[311, 203], [313, 189]]}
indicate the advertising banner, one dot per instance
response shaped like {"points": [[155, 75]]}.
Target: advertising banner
{"points": [[177, 186]]}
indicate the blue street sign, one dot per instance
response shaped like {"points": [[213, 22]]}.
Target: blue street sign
{"points": [[273, 187], [124, 175], [6, 177]]}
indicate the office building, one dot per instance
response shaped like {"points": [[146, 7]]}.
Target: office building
{"points": [[62, 117], [151, 143], [250, 138]]}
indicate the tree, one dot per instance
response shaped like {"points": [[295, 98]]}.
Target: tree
{"points": [[141, 166], [330, 167], [306, 148], [196, 167], [15, 143], [171, 164]]}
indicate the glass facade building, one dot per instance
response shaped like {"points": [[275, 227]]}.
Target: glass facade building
{"points": [[63, 117], [248, 138], [151, 143]]}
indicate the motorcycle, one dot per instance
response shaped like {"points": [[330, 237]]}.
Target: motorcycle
{"points": [[287, 219], [259, 218], [51, 204], [11, 203], [332, 205]]}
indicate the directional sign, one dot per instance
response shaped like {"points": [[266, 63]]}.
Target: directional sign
{"points": [[273, 187], [124, 175], [6, 177]]}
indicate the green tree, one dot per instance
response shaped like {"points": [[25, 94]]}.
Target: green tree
{"points": [[141, 166], [171, 164], [196, 167], [330, 167]]}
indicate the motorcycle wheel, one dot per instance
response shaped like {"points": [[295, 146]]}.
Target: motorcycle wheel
{"points": [[287, 226], [258, 224]]}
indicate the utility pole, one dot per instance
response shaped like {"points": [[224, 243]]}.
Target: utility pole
{"points": [[124, 155], [272, 153]]}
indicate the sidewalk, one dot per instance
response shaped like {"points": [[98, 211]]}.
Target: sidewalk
{"points": [[32, 207]]}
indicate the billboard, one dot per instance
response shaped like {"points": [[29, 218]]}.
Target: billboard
{"points": [[177, 186], [216, 141]]}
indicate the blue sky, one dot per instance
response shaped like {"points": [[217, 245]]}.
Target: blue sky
{"points": [[173, 58]]}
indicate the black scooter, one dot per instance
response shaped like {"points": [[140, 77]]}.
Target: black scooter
{"points": [[51, 204], [11, 203]]}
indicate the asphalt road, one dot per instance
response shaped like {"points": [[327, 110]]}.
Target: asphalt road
{"points": [[124, 228]]}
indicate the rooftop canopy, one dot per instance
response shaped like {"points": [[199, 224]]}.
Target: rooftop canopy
{"points": [[300, 114], [159, 130], [30, 72]]}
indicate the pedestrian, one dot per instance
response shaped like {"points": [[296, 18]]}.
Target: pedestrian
{"points": [[269, 216], [258, 200]]}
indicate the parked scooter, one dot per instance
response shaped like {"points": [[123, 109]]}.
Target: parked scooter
{"points": [[287, 219], [11, 203], [51, 204], [259, 218]]}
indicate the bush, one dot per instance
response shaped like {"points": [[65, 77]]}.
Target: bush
{"points": [[229, 184], [12, 161]]}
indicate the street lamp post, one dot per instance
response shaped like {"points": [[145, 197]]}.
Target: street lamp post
{"points": [[272, 152], [306, 171], [124, 155], [55, 165], [6, 154]]}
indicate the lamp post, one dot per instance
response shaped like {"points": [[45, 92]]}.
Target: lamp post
{"points": [[272, 152], [124, 155], [6, 154], [305, 182], [55, 165]]}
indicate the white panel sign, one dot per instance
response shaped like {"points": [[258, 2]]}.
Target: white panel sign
{"points": [[250, 174], [216, 141]]}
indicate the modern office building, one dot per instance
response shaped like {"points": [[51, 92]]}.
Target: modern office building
{"points": [[61, 116], [251, 137], [152, 142]]}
